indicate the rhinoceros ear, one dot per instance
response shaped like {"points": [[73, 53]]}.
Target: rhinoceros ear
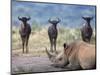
{"points": [[65, 46]]}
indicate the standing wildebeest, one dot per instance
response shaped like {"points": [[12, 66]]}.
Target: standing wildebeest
{"points": [[52, 32], [25, 31], [86, 30]]}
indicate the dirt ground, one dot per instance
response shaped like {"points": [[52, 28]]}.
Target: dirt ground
{"points": [[27, 63]]}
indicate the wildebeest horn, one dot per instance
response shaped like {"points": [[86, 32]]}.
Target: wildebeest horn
{"points": [[28, 18], [54, 21], [91, 17], [83, 17], [49, 20], [19, 18], [58, 20], [87, 18]]}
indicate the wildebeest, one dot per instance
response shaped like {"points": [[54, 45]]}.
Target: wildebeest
{"points": [[25, 31], [77, 55], [86, 30], [52, 33]]}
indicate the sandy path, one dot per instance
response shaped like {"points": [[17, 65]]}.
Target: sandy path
{"points": [[26, 64]]}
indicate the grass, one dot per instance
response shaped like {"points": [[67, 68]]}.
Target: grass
{"points": [[39, 39], [37, 42]]}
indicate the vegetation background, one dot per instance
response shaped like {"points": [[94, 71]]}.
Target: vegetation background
{"points": [[39, 39]]}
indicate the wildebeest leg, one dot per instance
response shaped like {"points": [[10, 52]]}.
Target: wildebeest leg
{"points": [[86, 39], [55, 45], [23, 42], [89, 39], [83, 38], [27, 44], [51, 42]]}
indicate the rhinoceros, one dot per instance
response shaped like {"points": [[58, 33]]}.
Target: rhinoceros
{"points": [[76, 55]]}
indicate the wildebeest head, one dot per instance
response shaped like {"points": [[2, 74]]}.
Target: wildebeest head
{"points": [[54, 22], [24, 19], [88, 19], [60, 59]]}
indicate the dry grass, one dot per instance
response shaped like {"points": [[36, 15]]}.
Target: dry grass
{"points": [[39, 40]]}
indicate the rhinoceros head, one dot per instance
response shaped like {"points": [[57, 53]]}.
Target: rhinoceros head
{"points": [[60, 59]]}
